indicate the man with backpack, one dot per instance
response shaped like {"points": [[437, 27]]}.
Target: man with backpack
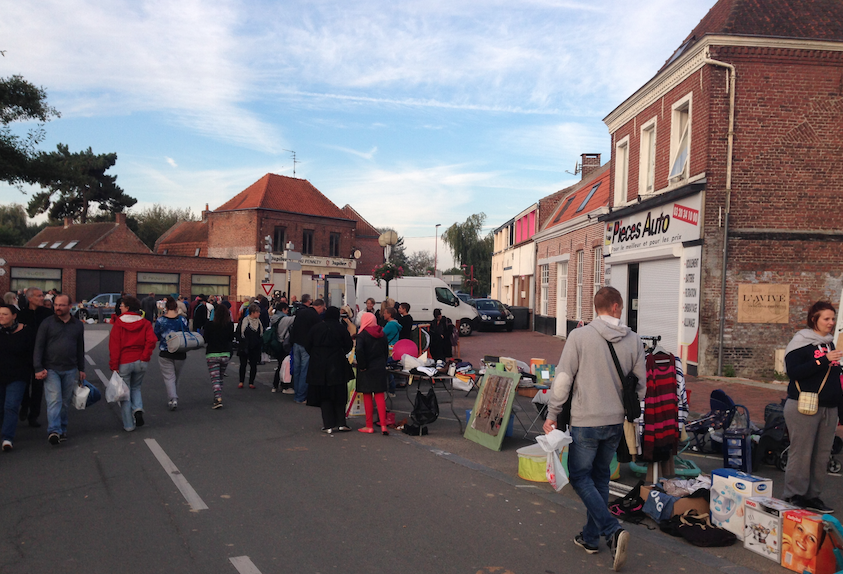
{"points": [[587, 372], [277, 343]]}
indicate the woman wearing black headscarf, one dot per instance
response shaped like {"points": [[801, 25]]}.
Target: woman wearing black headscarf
{"points": [[328, 343]]}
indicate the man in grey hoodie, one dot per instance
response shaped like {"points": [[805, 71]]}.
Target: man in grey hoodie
{"points": [[597, 414]]}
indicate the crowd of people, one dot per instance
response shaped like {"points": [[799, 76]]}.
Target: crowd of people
{"points": [[42, 350]]}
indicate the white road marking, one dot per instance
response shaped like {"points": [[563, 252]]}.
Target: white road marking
{"points": [[102, 377], [244, 565], [196, 503], [90, 360]]}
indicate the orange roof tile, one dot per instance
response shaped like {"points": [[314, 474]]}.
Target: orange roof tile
{"points": [[284, 194], [186, 232], [572, 205], [85, 236], [364, 228]]}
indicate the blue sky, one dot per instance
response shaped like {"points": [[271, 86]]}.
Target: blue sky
{"points": [[415, 113]]}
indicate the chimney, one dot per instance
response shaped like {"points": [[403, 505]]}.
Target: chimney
{"points": [[205, 213], [120, 218], [68, 221], [590, 164]]}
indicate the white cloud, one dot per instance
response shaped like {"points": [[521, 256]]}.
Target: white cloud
{"points": [[171, 161], [365, 155]]}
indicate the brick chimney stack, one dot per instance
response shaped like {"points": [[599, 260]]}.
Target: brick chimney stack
{"points": [[68, 221], [590, 164], [120, 218], [204, 213]]}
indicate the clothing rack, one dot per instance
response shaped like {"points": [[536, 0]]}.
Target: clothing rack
{"points": [[653, 342]]}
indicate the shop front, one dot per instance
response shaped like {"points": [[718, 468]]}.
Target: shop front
{"points": [[652, 254]]}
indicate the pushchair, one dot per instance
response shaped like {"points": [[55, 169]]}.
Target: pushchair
{"points": [[705, 434], [774, 441]]}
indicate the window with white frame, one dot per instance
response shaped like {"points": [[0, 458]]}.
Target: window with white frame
{"points": [[579, 284], [598, 270], [647, 159], [680, 140], [545, 278], [621, 171]]}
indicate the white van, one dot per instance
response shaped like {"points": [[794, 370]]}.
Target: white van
{"points": [[424, 294]]}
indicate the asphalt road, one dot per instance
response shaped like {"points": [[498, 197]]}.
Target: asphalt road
{"points": [[283, 497]]}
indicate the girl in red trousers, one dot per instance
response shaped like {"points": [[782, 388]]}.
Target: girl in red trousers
{"points": [[372, 351]]}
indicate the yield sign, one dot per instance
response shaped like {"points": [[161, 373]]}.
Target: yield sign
{"points": [[267, 287]]}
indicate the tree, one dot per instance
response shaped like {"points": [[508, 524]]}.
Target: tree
{"points": [[398, 254], [419, 263], [80, 180], [21, 101], [15, 229], [154, 221], [470, 248]]}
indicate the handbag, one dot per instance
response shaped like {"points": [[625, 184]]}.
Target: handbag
{"points": [[179, 341], [631, 404], [809, 403]]}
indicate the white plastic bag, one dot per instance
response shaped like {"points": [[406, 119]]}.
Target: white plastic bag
{"points": [[553, 443], [116, 390], [80, 397]]}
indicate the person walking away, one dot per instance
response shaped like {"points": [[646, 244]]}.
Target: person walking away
{"points": [[170, 363], [597, 414], [440, 336], [218, 335], [372, 381], [59, 361], [32, 314], [149, 307], [250, 339], [200, 314], [305, 318], [17, 341], [813, 365], [282, 321], [405, 320], [130, 346], [327, 345]]}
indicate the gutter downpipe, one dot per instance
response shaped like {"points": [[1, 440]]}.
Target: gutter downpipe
{"points": [[730, 84]]}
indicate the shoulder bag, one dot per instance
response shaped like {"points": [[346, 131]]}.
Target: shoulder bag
{"points": [[180, 341], [631, 404], [809, 403]]}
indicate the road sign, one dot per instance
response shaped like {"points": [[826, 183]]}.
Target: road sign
{"points": [[292, 255], [293, 266], [267, 287], [2, 262]]}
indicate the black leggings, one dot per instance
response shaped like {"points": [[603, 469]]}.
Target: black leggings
{"points": [[253, 359]]}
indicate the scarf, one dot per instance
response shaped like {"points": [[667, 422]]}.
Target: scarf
{"points": [[10, 329], [367, 319], [807, 337], [254, 323]]}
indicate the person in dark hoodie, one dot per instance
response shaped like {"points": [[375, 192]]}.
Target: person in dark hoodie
{"points": [[218, 336], [371, 354], [250, 338], [327, 345], [813, 365], [17, 341], [130, 346]]}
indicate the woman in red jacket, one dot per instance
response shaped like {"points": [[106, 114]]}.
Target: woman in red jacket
{"points": [[130, 347]]}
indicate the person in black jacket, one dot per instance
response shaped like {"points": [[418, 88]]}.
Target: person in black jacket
{"points": [[17, 342], [327, 344], [813, 365], [372, 352], [250, 339], [218, 337], [406, 321], [31, 315], [440, 336], [306, 317]]}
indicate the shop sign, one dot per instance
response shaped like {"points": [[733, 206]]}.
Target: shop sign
{"points": [[158, 277], [32, 273], [690, 297], [328, 262], [210, 279], [763, 303], [663, 225]]}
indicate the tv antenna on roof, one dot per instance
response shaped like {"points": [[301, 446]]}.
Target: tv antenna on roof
{"points": [[577, 168], [294, 161]]}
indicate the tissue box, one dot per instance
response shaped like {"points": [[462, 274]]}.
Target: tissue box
{"points": [[763, 526], [805, 547], [729, 489]]}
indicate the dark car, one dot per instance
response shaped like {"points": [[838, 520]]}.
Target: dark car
{"points": [[465, 297], [101, 306], [494, 314]]}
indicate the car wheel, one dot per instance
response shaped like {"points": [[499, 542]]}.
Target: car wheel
{"points": [[465, 329], [833, 465], [82, 314]]}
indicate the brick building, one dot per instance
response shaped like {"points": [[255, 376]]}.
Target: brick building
{"points": [[514, 259], [85, 260], [735, 139], [569, 252], [333, 242]]}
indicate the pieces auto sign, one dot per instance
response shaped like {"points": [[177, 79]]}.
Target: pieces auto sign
{"points": [[663, 225]]}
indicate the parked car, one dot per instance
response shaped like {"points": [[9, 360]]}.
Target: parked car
{"points": [[494, 314], [104, 303], [464, 297]]}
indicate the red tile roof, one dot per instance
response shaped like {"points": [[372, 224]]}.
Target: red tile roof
{"points": [[86, 236], [285, 194], [803, 19], [568, 208], [364, 228], [185, 232]]}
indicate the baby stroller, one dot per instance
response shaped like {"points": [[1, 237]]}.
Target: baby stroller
{"points": [[774, 442], [706, 433]]}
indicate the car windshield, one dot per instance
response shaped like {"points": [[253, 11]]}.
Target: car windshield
{"points": [[486, 305]]}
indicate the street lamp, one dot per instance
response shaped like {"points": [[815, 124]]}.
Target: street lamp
{"points": [[436, 249]]}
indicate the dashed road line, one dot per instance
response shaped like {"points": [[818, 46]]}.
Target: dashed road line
{"points": [[90, 360], [196, 503], [102, 377], [244, 565]]}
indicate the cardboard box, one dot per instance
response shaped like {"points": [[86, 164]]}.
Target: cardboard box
{"points": [[729, 489], [682, 505], [763, 526], [805, 547]]}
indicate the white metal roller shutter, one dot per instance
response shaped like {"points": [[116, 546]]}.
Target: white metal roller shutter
{"points": [[658, 301], [619, 279]]}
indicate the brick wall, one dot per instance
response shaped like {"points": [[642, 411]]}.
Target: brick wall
{"points": [[372, 255], [232, 233], [122, 239]]}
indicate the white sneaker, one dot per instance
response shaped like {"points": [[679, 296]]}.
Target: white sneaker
{"points": [[289, 391], [7, 446], [274, 390], [173, 404]]}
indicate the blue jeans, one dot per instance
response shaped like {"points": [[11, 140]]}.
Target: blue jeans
{"points": [[300, 362], [589, 459], [58, 389], [10, 397], [133, 374]]}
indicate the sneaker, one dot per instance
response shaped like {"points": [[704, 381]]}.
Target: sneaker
{"points": [[617, 545], [138, 418], [173, 404], [62, 437], [795, 500], [217, 404], [274, 390], [817, 505], [327, 430], [7, 446], [391, 395], [53, 438], [580, 541], [288, 392]]}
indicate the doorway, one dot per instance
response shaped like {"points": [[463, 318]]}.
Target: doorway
{"points": [[632, 297], [562, 298]]}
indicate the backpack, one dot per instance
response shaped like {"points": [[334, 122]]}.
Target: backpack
{"points": [[269, 341], [425, 408]]}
